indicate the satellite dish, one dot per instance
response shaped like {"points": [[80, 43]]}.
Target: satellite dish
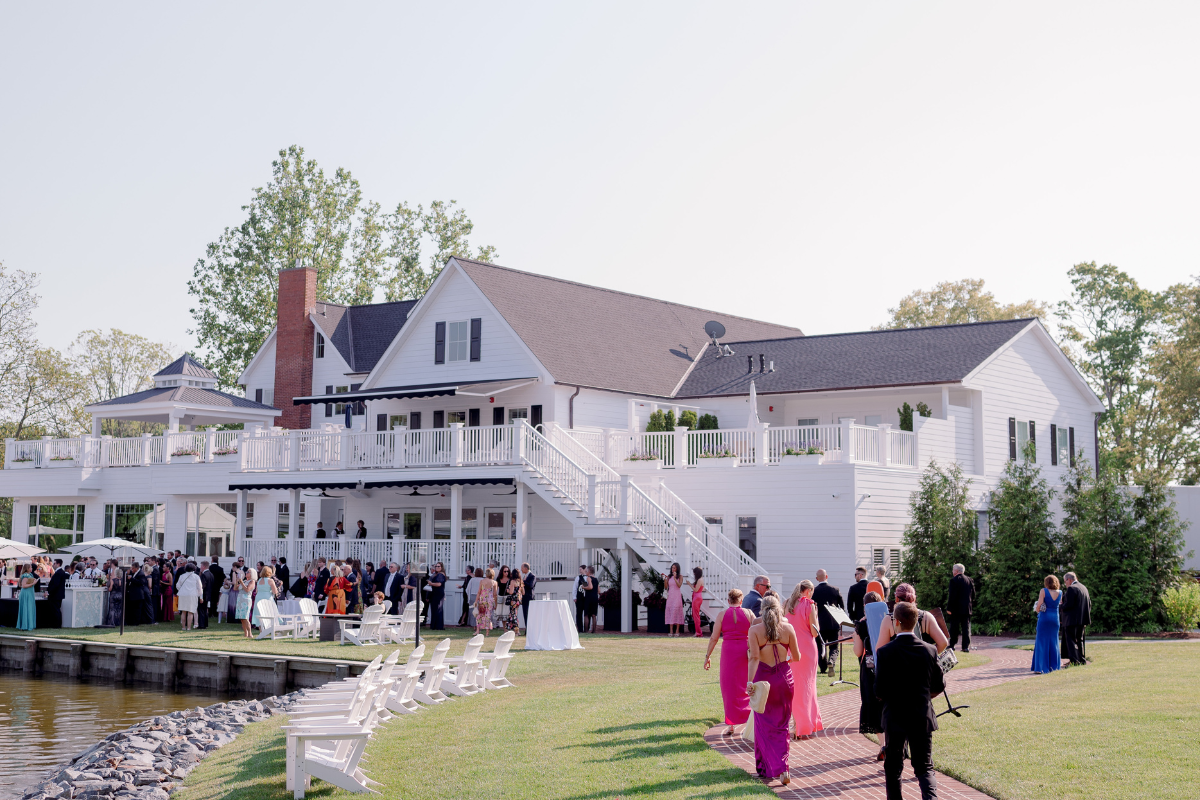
{"points": [[714, 329]]}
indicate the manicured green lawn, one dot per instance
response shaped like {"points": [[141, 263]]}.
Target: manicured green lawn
{"points": [[1124, 726], [623, 718]]}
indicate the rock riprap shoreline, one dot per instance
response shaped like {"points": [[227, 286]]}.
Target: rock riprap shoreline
{"points": [[151, 759]]}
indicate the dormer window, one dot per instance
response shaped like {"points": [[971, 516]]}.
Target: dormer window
{"points": [[320, 346]]}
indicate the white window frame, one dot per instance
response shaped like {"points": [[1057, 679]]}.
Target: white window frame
{"points": [[458, 349]]}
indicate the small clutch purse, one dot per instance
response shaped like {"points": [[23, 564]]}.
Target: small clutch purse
{"points": [[946, 660], [758, 700]]}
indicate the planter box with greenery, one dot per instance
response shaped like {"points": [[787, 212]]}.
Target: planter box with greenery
{"points": [[61, 462], [22, 463], [800, 460], [716, 462], [185, 457], [225, 455]]}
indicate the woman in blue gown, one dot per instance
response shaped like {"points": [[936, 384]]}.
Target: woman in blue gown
{"points": [[26, 602], [1046, 655]]}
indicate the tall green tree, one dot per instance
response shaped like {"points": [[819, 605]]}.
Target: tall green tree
{"points": [[942, 532], [1020, 550], [956, 302], [112, 365], [1162, 534], [304, 216]]}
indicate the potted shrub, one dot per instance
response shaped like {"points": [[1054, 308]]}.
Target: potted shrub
{"points": [[796, 453], [716, 458], [656, 600], [185, 455], [642, 461], [610, 601]]}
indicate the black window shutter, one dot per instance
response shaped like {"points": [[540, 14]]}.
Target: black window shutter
{"points": [[498, 415], [1012, 438], [535, 417], [381, 422], [473, 417], [476, 334], [1053, 445], [439, 343], [1033, 440], [329, 406], [414, 420], [1071, 444], [258, 395], [439, 419]]}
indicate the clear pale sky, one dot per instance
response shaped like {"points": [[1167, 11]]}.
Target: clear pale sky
{"points": [[803, 163]]}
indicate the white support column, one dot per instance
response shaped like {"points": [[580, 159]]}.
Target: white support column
{"points": [[522, 525], [456, 443], [240, 529], [453, 568], [208, 446], [683, 549], [145, 449], [293, 523], [97, 423], [626, 556], [625, 499], [847, 442], [885, 451], [680, 441], [945, 402], [294, 451], [760, 445]]}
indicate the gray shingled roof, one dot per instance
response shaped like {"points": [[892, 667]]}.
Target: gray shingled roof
{"points": [[362, 333], [186, 394], [186, 365], [588, 336], [903, 357]]}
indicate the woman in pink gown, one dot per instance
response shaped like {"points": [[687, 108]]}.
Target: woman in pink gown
{"points": [[801, 613], [697, 599], [674, 614], [772, 643], [732, 628]]}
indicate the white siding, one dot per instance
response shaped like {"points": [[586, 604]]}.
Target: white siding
{"points": [[1187, 504], [1027, 383], [935, 440], [601, 410], [502, 355], [262, 374], [964, 437], [329, 371]]}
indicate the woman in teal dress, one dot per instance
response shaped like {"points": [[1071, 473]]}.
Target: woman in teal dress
{"points": [[1046, 655], [27, 608]]}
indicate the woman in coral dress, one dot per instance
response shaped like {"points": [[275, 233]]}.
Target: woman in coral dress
{"points": [[674, 613], [335, 590], [801, 613], [731, 628]]}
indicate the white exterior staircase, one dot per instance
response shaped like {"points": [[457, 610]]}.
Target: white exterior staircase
{"points": [[600, 503]]}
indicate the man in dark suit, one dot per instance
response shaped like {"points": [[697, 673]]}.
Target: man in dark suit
{"points": [[57, 590], [156, 590], [827, 595], [393, 586], [530, 581], [320, 534], [322, 579], [854, 597], [752, 602], [206, 587], [1076, 614], [381, 576], [214, 597], [284, 576], [959, 607], [579, 595], [907, 677], [361, 533]]}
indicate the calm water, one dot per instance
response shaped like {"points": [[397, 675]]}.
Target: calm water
{"points": [[45, 721]]}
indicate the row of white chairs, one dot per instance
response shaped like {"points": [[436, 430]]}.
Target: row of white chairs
{"points": [[375, 627], [331, 726], [275, 625]]}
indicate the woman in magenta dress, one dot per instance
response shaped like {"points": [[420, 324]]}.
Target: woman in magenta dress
{"points": [[697, 586], [731, 628], [674, 614], [801, 613], [771, 642]]}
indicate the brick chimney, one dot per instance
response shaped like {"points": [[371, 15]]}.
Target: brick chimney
{"points": [[294, 344]]}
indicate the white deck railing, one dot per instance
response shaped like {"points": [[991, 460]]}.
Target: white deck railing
{"points": [[604, 454]]}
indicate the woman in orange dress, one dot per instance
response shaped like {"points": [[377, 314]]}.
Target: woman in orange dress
{"points": [[335, 591], [801, 614]]}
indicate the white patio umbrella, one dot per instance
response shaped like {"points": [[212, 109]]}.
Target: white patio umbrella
{"points": [[112, 547], [753, 422], [10, 549]]}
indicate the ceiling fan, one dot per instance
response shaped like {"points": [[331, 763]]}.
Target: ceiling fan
{"points": [[415, 493]]}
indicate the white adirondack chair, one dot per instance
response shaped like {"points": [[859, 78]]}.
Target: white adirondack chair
{"points": [[497, 664], [269, 621], [339, 764], [429, 691], [362, 632], [402, 628], [401, 701], [461, 680], [307, 624]]}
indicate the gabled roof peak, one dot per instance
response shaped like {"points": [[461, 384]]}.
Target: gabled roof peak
{"points": [[186, 365]]}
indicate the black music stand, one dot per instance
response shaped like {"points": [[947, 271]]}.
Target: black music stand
{"points": [[843, 620]]}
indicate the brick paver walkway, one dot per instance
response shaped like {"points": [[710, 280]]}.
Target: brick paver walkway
{"points": [[840, 762]]}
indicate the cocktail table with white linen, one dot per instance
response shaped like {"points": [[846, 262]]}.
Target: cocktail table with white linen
{"points": [[551, 626]]}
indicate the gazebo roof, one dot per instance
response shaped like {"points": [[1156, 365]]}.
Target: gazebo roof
{"points": [[191, 405], [186, 365]]}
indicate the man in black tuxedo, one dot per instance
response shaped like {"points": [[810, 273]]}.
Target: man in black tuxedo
{"points": [[854, 597], [579, 594], [284, 576], [322, 579], [320, 534], [206, 587], [530, 581], [156, 590], [907, 677], [827, 595], [1076, 614], [959, 607], [57, 590], [393, 586], [381, 576], [214, 597]]}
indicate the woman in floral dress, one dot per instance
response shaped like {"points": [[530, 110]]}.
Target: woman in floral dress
{"points": [[485, 602], [674, 613], [516, 592]]}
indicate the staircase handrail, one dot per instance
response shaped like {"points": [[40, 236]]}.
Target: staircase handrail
{"points": [[591, 462], [723, 547], [578, 492]]}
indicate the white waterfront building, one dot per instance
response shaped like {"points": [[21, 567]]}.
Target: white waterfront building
{"points": [[494, 418]]}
